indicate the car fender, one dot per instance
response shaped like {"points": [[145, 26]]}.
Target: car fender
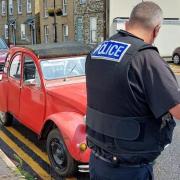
{"points": [[73, 130]]}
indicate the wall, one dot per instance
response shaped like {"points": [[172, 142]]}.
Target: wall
{"points": [[89, 9], [68, 19]]}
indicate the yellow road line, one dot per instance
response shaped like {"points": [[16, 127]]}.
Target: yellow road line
{"points": [[29, 144], [25, 157]]}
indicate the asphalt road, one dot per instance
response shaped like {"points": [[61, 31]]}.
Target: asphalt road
{"points": [[168, 164]]}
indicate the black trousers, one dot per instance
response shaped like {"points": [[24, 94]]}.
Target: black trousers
{"points": [[101, 170]]}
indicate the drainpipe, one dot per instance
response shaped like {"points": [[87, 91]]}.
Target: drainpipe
{"points": [[7, 20], [55, 24], [104, 19]]}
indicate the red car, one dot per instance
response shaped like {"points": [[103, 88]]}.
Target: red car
{"points": [[43, 87], [3, 53]]}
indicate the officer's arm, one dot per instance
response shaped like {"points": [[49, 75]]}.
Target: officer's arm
{"points": [[175, 111]]}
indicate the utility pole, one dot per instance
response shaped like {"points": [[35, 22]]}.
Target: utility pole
{"points": [[7, 21], [55, 24]]}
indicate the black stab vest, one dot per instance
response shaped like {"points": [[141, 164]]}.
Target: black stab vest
{"points": [[134, 139]]}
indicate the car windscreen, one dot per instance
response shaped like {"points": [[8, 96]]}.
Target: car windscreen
{"points": [[3, 44], [63, 68]]}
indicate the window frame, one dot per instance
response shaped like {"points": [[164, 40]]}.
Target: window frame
{"points": [[45, 8], [19, 4], [46, 34], [65, 32], [6, 31], [65, 4], [11, 7], [91, 30], [23, 35], [3, 7], [29, 6], [78, 19]]}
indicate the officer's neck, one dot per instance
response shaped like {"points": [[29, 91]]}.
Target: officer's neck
{"points": [[146, 35]]}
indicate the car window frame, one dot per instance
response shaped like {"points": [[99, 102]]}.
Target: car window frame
{"points": [[10, 64], [39, 74]]}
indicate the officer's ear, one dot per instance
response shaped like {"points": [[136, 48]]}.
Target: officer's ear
{"points": [[156, 31]]}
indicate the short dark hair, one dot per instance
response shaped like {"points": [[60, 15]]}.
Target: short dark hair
{"points": [[148, 14]]}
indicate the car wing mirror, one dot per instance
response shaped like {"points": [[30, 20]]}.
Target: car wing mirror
{"points": [[30, 82]]}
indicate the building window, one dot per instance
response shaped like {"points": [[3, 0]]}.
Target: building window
{"points": [[93, 30], [79, 28], [6, 31], [82, 1], [46, 33], [10, 7], [45, 5], [23, 31], [3, 8], [29, 7], [64, 7], [65, 32], [19, 6]]}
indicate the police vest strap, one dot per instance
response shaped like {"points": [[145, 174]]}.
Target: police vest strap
{"points": [[124, 128]]}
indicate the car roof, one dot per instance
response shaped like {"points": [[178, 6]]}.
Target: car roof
{"points": [[54, 50]]}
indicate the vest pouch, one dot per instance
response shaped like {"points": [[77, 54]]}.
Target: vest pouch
{"points": [[123, 128], [166, 131], [146, 142]]}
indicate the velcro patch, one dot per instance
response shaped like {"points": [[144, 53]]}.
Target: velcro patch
{"points": [[110, 50]]}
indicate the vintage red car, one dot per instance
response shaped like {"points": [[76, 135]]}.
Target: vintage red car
{"points": [[43, 87]]}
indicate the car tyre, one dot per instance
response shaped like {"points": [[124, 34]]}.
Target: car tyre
{"points": [[6, 119], [176, 59], [59, 157]]}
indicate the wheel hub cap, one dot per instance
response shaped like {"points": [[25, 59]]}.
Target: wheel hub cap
{"points": [[58, 153]]}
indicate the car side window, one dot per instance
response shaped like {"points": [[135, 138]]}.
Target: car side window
{"points": [[30, 70], [15, 68]]}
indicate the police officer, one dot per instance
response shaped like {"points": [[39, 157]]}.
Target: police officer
{"points": [[132, 95]]}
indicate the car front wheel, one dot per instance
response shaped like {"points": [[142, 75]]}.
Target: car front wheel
{"points": [[59, 157], [6, 119], [176, 59]]}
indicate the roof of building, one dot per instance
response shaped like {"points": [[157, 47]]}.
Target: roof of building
{"points": [[59, 49]]}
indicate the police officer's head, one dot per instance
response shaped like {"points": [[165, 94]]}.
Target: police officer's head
{"points": [[145, 21]]}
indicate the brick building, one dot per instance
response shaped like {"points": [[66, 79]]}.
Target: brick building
{"points": [[22, 21], [89, 18], [63, 24]]}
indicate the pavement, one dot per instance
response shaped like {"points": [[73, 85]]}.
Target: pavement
{"points": [[8, 170]]}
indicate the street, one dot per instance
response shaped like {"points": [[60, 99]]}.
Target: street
{"points": [[28, 153], [168, 164]]}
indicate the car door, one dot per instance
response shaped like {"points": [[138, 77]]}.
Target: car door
{"points": [[32, 99], [14, 84]]}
